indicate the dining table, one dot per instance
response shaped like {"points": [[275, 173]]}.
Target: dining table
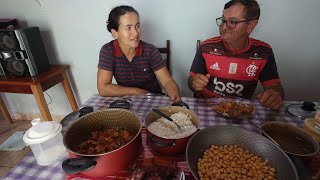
{"points": [[27, 168]]}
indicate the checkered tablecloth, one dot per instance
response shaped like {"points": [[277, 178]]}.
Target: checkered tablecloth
{"points": [[28, 169], [143, 105]]}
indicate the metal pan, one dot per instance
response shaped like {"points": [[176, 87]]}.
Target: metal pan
{"points": [[253, 142], [291, 139]]}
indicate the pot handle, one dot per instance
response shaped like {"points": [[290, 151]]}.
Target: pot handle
{"points": [[160, 144], [122, 103], [181, 104], [76, 165]]}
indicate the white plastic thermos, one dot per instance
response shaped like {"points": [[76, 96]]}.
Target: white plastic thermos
{"points": [[45, 140]]}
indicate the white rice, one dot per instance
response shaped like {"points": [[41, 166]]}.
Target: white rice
{"points": [[167, 129]]}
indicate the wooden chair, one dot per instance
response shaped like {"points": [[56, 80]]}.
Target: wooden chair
{"points": [[198, 45], [166, 50], [197, 48]]}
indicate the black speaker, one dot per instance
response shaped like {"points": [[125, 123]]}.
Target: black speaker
{"points": [[22, 52], [9, 23]]}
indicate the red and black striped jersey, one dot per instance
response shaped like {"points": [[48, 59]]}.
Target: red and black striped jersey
{"points": [[234, 73], [137, 73]]}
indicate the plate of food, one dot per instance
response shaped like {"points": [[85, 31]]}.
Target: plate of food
{"points": [[155, 168], [234, 108]]}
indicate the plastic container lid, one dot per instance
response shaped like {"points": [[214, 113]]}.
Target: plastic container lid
{"points": [[305, 110], [41, 132]]}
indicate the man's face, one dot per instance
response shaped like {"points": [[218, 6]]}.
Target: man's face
{"points": [[241, 31], [128, 33]]}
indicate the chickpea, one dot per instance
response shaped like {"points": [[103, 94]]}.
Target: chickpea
{"points": [[233, 162], [271, 174], [273, 170]]}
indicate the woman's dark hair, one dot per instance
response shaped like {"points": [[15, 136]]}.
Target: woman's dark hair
{"points": [[114, 16], [252, 9]]}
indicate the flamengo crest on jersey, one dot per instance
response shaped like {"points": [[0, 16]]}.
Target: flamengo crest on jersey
{"points": [[251, 70]]}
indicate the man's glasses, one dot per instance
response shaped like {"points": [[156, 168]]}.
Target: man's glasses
{"points": [[231, 24]]}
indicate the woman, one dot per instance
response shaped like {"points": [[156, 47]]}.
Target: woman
{"points": [[136, 65]]}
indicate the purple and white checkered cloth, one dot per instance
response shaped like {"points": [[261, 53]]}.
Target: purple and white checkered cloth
{"points": [[28, 169], [143, 105]]}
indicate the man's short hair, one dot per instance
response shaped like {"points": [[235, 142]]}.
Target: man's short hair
{"points": [[251, 11]]}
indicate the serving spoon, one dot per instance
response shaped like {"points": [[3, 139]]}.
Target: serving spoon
{"points": [[181, 128], [259, 129]]}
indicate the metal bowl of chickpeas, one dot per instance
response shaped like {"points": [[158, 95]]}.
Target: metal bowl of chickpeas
{"points": [[231, 152]]}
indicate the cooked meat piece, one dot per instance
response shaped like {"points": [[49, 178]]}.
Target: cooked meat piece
{"points": [[115, 134], [153, 172], [105, 141], [102, 140], [125, 134], [95, 135], [90, 150], [99, 149], [234, 109], [136, 174]]}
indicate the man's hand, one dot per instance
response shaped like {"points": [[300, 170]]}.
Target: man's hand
{"points": [[200, 81], [271, 99]]}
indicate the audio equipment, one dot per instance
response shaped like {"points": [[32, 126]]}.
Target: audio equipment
{"points": [[22, 52], [9, 23]]}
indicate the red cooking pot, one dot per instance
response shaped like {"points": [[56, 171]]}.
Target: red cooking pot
{"points": [[169, 146], [109, 163]]}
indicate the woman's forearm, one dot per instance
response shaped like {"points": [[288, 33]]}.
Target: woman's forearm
{"points": [[118, 90], [172, 90]]}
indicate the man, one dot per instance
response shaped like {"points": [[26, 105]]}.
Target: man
{"points": [[232, 64]]}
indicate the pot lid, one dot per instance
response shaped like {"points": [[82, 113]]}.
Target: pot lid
{"points": [[304, 110], [41, 132]]}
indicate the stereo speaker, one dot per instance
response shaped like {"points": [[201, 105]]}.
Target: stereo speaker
{"points": [[22, 52], [9, 23]]}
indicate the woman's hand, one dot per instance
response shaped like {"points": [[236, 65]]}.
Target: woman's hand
{"points": [[175, 99]]}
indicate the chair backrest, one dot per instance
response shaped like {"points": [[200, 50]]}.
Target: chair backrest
{"points": [[166, 50], [198, 45], [197, 48]]}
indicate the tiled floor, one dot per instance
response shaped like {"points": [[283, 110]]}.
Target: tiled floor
{"points": [[9, 158]]}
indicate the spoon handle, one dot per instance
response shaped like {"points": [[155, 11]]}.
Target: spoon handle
{"points": [[167, 117], [261, 130], [162, 114]]}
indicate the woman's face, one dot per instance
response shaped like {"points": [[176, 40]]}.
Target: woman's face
{"points": [[128, 34]]}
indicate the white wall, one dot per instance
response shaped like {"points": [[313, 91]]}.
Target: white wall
{"points": [[74, 31]]}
